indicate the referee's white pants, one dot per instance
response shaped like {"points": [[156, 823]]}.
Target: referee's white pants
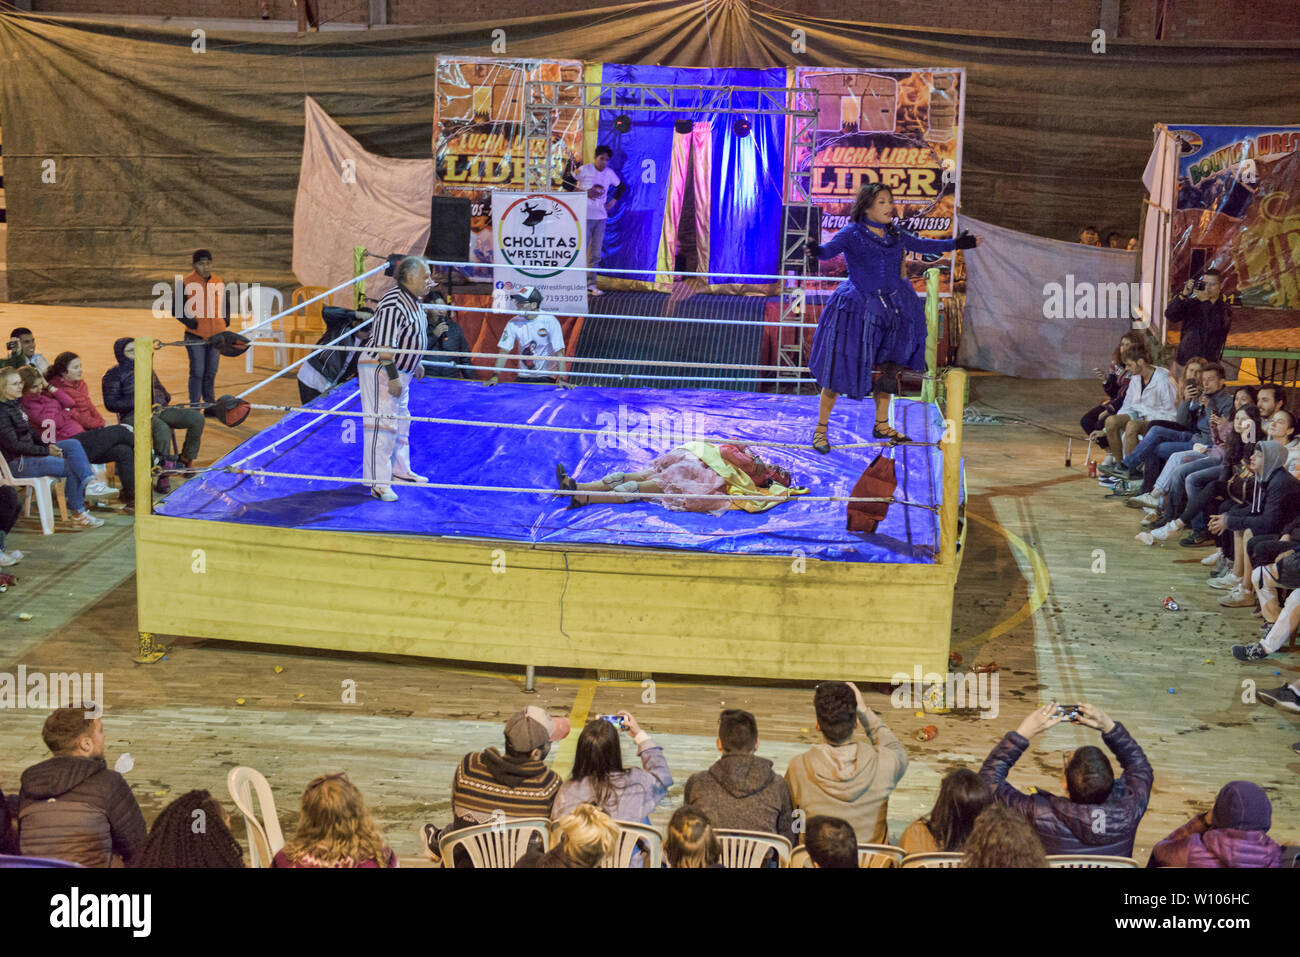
{"points": [[387, 446]]}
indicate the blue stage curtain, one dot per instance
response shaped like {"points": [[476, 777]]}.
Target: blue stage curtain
{"points": [[746, 176]]}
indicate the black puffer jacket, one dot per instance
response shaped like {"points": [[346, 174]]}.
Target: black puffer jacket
{"points": [[1065, 827], [118, 386], [742, 792], [76, 809], [16, 435]]}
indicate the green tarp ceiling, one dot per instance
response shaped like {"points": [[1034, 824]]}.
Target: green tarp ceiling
{"points": [[157, 149]]}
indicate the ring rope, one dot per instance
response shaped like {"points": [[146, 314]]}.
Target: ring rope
{"points": [[562, 428], [793, 277], [353, 480]]}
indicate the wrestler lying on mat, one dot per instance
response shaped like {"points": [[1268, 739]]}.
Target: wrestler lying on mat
{"points": [[687, 473]]}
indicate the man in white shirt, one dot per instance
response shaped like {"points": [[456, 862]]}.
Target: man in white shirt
{"points": [[539, 339], [603, 188]]}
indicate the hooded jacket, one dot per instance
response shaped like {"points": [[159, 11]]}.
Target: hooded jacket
{"points": [[851, 781], [118, 385], [1065, 826], [76, 809], [741, 792], [1274, 499], [1239, 837], [488, 781], [53, 407]]}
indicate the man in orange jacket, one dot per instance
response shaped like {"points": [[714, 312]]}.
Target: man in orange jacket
{"points": [[203, 314]]}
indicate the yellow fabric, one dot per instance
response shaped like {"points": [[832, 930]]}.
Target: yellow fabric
{"points": [[739, 483]]}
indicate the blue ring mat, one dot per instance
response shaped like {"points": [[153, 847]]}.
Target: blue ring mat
{"points": [[636, 425]]}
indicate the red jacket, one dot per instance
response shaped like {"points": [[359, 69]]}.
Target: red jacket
{"points": [[43, 407], [83, 410]]}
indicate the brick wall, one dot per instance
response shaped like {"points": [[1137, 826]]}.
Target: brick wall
{"points": [[1046, 19]]}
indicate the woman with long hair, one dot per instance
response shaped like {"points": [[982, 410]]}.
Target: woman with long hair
{"points": [[690, 840], [962, 796], [874, 318], [335, 829], [1114, 381], [599, 778], [52, 406], [192, 831]]}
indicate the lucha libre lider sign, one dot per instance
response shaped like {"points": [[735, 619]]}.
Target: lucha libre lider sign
{"points": [[901, 128]]}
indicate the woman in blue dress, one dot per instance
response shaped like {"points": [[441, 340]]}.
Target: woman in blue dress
{"points": [[875, 318]]}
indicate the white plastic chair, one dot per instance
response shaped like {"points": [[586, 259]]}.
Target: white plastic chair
{"points": [[257, 304], [264, 837], [499, 844], [869, 855], [933, 859], [630, 834], [44, 488], [750, 848], [1089, 860]]}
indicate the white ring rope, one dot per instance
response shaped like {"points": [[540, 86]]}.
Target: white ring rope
{"points": [[328, 292], [332, 344], [713, 439], [353, 480], [647, 272]]}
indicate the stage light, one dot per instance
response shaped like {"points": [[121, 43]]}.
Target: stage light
{"points": [[683, 127], [741, 126], [622, 123]]}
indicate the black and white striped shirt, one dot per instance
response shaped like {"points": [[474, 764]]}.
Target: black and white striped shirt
{"points": [[399, 324]]}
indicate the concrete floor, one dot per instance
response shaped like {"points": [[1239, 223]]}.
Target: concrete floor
{"points": [[1028, 598]]}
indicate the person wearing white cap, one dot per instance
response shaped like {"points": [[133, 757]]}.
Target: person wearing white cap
{"points": [[491, 786], [539, 338]]}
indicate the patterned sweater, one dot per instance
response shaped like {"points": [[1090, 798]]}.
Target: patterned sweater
{"points": [[489, 785]]}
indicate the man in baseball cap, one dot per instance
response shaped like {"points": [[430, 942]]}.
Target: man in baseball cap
{"points": [[491, 786], [537, 337]]}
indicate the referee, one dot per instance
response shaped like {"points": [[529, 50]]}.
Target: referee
{"points": [[385, 379]]}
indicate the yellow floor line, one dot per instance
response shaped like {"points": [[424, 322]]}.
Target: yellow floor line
{"points": [[567, 748], [1039, 587]]}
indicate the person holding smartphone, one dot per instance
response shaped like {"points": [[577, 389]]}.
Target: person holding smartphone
{"points": [[1203, 316], [599, 777]]}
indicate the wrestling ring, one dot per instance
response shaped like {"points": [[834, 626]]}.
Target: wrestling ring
{"points": [[280, 543]]}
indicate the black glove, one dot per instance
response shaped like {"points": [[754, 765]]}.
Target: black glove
{"points": [[814, 249], [965, 241]]}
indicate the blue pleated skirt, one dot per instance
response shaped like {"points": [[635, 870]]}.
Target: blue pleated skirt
{"points": [[858, 331]]}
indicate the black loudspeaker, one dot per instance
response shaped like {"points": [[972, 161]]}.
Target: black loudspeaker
{"points": [[449, 230]]}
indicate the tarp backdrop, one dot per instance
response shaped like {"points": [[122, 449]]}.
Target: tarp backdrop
{"points": [[127, 147], [1041, 308]]}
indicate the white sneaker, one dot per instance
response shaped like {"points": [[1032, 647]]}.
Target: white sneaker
{"points": [[1162, 533], [1238, 598], [1146, 538], [16, 555], [383, 493], [1225, 582], [413, 477], [6, 560], [86, 520], [1148, 500], [1109, 461], [1151, 513], [1213, 558], [100, 490]]}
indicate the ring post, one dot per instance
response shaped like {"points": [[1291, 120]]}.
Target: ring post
{"points": [[148, 651], [951, 445], [931, 333], [358, 284]]}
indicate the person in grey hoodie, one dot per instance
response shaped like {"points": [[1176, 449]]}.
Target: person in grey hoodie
{"points": [[741, 792], [843, 778], [72, 807]]}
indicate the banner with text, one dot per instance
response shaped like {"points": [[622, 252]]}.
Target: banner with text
{"points": [[478, 134], [1238, 211], [902, 128], [537, 235]]}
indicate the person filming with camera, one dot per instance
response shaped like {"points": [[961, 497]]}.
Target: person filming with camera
{"points": [[1203, 315]]}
